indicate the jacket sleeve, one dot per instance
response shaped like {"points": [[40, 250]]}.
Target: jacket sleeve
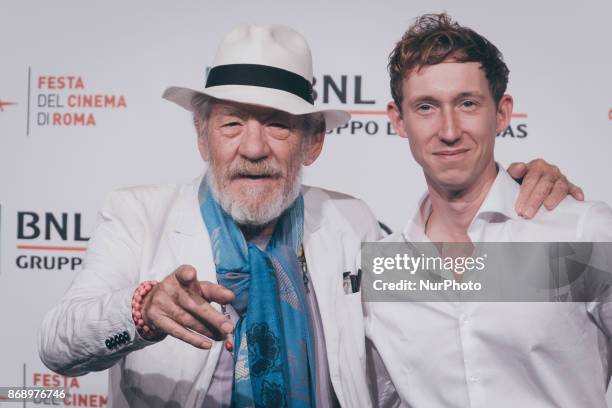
{"points": [[91, 328]]}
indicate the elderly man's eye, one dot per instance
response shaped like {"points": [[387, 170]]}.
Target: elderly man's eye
{"points": [[278, 130], [231, 128]]}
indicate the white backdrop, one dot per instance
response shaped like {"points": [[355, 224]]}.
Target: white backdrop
{"points": [[559, 57]]}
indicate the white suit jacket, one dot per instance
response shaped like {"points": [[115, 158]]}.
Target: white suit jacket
{"points": [[145, 233]]}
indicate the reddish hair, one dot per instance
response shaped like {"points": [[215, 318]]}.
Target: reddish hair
{"points": [[435, 38]]}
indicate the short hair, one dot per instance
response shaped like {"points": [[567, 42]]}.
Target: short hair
{"points": [[201, 107], [313, 123], [435, 38], [201, 104]]}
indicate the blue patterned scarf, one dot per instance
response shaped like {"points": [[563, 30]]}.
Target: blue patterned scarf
{"points": [[274, 351]]}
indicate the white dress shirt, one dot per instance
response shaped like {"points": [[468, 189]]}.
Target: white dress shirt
{"points": [[495, 354]]}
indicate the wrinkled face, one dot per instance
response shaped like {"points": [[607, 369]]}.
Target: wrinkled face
{"points": [[255, 157], [450, 119]]}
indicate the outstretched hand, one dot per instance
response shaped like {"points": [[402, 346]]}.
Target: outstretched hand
{"points": [[180, 306]]}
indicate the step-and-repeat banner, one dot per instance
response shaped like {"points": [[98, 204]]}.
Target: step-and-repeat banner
{"points": [[81, 114]]}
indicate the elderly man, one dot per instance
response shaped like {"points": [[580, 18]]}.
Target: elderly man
{"points": [[291, 330], [448, 85]]}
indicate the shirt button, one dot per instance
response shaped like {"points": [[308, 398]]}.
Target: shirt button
{"points": [[474, 379], [463, 319]]}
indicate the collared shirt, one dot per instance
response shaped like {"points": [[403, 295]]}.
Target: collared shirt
{"points": [[462, 354]]}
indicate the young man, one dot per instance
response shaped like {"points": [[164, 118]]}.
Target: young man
{"points": [[448, 85]]}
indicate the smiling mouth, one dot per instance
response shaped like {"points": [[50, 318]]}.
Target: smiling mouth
{"points": [[451, 154]]}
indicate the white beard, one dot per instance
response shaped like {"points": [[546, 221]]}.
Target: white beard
{"points": [[260, 215]]}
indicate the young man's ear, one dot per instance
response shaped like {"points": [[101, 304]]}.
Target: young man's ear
{"points": [[314, 147], [395, 117], [504, 113]]}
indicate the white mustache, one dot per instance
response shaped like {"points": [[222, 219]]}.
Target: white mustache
{"points": [[244, 168]]}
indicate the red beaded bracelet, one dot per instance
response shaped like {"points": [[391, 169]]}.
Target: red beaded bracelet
{"points": [[141, 291]]}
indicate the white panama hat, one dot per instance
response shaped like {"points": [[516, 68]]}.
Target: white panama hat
{"points": [[269, 66]]}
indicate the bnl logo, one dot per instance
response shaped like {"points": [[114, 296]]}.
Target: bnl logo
{"points": [[64, 226], [34, 228]]}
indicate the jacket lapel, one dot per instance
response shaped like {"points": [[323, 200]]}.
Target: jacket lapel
{"points": [[188, 236], [189, 243], [323, 248]]}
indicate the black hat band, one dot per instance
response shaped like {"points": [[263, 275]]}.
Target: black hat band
{"points": [[261, 75]]}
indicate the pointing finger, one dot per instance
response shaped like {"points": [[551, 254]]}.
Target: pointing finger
{"points": [[216, 293]]}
